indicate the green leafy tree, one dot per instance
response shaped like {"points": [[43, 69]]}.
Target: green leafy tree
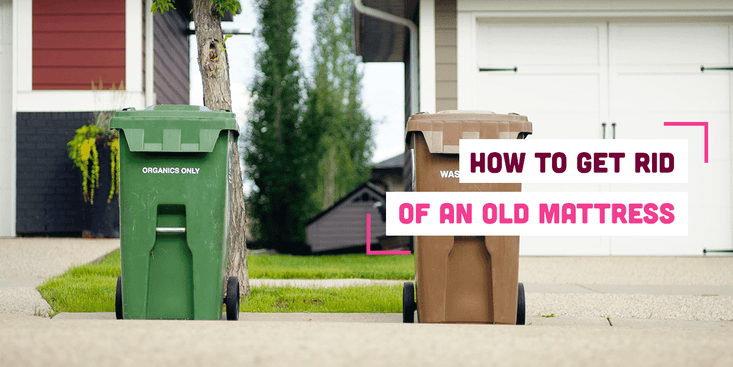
{"points": [[334, 104], [279, 153]]}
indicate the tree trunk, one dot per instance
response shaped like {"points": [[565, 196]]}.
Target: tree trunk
{"points": [[214, 67]]}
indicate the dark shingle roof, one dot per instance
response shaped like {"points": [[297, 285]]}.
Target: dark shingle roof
{"points": [[393, 162], [379, 192]]}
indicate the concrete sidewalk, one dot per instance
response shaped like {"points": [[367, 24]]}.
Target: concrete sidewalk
{"points": [[396, 318], [25, 263], [34, 341]]}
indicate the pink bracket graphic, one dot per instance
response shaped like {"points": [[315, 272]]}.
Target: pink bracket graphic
{"points": [[369, 241], [704, 124]]}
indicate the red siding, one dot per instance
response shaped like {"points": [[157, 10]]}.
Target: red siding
{"points": [[77, 42]]}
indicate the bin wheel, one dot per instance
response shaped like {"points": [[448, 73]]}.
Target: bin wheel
{"points": [[521, 308], [408, 303], [118, 299], [232, 299]]}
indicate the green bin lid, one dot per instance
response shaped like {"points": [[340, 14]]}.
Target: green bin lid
{"points": [[173, 128]]}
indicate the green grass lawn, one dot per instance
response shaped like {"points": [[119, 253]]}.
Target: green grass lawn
{"points": [[372, 299], [86, 288], [331, 267], [91, 287]]}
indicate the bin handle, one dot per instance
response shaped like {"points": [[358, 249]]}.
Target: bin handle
{"points": [[170, 229], [603, 125]]}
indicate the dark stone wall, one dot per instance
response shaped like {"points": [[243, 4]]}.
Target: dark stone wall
{"points": [[49, 197]]}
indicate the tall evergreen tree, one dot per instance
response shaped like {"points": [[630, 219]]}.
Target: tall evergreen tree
{"points": [[279, 147], [334, 104]]}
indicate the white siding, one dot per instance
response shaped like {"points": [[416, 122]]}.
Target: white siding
{"points": [[7, 122]]}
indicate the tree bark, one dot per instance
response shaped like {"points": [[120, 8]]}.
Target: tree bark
{"points": [[214, 67]]}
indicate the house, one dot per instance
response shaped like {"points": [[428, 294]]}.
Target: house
{"points": [[51, 51], [613, 69], [387, 174], [343, 225]]}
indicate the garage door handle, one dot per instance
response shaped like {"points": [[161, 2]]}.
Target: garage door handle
{"points": [[613, 131], [702, 68], [603, 128], [514, 69]]}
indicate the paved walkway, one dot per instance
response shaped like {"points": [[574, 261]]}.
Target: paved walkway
{"points": [[26, 262]]}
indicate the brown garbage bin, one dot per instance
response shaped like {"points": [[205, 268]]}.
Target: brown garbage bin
{"points": [[462, 279]]}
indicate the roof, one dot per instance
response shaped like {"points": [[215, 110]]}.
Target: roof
{"points": [[394, 162], [381, 41], [377, 191]]}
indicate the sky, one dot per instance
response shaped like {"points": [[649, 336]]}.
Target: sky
{"points": [[383, 86]]}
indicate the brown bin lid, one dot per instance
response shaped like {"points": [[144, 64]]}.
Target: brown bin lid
{"points": [[442, 130]]}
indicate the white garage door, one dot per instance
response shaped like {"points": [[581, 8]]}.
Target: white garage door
{"points": [[573, 77]]}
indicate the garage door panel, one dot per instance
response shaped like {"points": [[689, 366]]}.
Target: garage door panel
{"points": [[559, 44], [702, 191], [574, 75], [714, 193], [705, 229], [710, 183], [671, 93], [568, 125], [571, 93], [651, 126], [670, 43], [704, 232], [653, 246]]}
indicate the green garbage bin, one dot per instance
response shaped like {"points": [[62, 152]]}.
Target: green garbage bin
{"points": [[174, 213]]}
